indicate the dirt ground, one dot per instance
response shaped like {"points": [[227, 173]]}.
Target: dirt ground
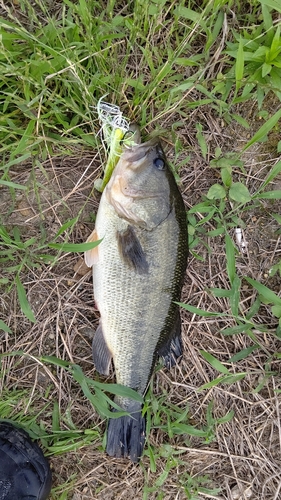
{"points": [[244, 458]]}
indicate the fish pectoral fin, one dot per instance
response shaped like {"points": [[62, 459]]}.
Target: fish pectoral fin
{"points": [[171, 349], [101, 354], [131, 251], [91, 256]]}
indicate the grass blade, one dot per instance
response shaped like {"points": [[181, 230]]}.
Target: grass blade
{"points": [[268, 294], [272, 174], [235, 296], [234, 330], [5, 327], [223, 379], [273, 4], [201, 140], [12, 185], [214, 362], [200, 312], [24, 304], [187, 429], [65, 226], [119, 390], [25, 139], [230, 258], [264, 129], [270, 195], [243, 354], [75, 247], [239, 65], [16, 161]]}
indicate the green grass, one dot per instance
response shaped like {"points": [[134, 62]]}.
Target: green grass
{"points": [[163, 63]]}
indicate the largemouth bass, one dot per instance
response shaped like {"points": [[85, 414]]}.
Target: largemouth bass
{"points": [[138, 271]]}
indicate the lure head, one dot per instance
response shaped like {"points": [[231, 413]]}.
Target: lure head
{"points": [[120, 139]]}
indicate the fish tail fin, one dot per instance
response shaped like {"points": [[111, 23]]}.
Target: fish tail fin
{"points": [[126, 436]]}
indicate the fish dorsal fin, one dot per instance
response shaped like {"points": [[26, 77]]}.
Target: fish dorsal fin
{"points": [[131, 250], [101, 354], [91, 256]]}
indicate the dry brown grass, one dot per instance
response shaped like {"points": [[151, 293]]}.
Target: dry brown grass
{"points": [[244, 458]]}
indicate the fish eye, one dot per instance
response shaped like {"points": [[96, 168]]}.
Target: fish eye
{"points": [[159, 163]]}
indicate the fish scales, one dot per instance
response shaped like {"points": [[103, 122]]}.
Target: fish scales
{"points": [[137, 275], [133, 316]]}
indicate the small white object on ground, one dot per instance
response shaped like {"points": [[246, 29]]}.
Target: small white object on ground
{"points": [[240, 240]]}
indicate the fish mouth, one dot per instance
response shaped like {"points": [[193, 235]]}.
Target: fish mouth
{"points": [[136, 154], [141, 194]]}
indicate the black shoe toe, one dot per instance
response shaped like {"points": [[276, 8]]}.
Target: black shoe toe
{"points": [[24, 471]]}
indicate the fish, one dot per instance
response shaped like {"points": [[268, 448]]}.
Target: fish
{"points": [[138, 273]]}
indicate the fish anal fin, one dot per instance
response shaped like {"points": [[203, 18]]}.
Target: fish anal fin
{"points": [[91, 256], [101, 353], [131, 250], [171, 350]]}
